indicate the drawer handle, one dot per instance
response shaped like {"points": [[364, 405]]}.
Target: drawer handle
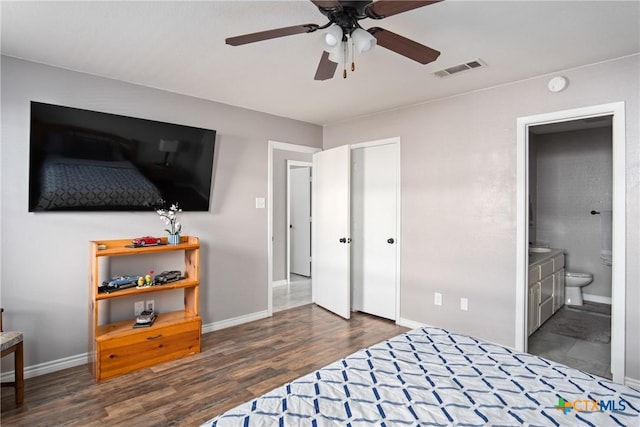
{"points": [[154, 337]]}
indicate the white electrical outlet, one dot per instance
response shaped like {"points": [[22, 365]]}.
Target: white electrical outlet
{"points": [[138, 307], [437, 298], [464, 304], [150, 305]]}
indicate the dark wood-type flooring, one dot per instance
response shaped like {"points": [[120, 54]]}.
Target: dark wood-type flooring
{"points": [[235, 365]]}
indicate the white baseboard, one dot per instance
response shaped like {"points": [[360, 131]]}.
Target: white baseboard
{"points": [[411, 324], [223, 324], [83, 359], [277, 283], [596, 298], [48, 367], [631, 382]]}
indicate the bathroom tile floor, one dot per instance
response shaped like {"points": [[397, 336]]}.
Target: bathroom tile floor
{"points": [[592, 357], [296, 293]]}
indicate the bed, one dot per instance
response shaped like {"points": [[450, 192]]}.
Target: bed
{"points": [[79, 169], [80, 183], [431, 377]]}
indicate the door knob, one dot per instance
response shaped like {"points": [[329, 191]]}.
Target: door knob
{"points": [[343, 240], [390, 240]]}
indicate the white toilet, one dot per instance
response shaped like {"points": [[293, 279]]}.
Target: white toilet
{"points": [[573, 283]]}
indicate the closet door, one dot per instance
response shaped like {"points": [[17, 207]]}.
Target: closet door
{"points": [[330, 271], [374, 177]]}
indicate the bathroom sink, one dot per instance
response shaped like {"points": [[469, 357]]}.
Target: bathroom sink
{"points": [[539, 250]]}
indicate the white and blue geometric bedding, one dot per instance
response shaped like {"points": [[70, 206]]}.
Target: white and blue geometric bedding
{"points": [[72, 183], [430, 377]]}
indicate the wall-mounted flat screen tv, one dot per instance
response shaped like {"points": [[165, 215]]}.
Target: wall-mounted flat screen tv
{"points": [[84, 160]]}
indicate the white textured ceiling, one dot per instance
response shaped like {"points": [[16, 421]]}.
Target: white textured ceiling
{"points": [[179, 46]]}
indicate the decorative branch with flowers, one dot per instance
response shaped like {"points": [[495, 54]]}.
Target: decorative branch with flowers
{"points": [[170, 218]]}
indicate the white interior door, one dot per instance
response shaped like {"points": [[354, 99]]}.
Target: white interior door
{"points": [[374, 227], [300, 220], [330, 273]]}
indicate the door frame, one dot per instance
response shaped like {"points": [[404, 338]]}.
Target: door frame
{"points": [[291, 164], [618, 278], [395, 141], [275, 145]]}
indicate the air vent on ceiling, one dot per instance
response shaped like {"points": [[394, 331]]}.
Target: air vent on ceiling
{"points": [[471, 65]]}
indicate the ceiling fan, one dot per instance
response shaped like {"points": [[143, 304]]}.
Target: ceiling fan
{"points": [[344, 26]]}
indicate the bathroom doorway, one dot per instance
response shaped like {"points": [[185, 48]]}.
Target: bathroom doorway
{"points": [[570, 207], [525, 213]]}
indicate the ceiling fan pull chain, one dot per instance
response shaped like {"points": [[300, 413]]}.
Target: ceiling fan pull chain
{"points": [[353, 54], [344, 51]]}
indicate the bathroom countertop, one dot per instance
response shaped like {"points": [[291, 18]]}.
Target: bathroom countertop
{"points": [[538, 258]]}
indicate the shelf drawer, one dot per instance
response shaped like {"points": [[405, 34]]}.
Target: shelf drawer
{"points": [[147, 347]]}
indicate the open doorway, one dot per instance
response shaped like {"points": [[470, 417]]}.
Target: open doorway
{"points": [[280, 157], [299, 219], [297, 289], [570, 211], [525, 217]]}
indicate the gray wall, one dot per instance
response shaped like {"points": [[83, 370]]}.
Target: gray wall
{"points": [[280, 158], [44, 257], [458, 202], [574, 173], [459, 196]]}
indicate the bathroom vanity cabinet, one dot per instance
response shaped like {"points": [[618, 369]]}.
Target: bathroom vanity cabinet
{"points": [[546, 287]]}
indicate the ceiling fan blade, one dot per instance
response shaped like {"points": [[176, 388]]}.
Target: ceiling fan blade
{"points": [[328, 5], [326, 68], [404, 46], [383, 8], [271, 34]]}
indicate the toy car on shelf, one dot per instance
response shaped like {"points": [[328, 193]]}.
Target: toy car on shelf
{"points": [[147, 316], [118, 282], [145, 319], [166, 277], [146, 240]]}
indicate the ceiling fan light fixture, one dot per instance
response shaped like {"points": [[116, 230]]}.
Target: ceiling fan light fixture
{"points": [[363, 40], [337, 54], [332, 37]]}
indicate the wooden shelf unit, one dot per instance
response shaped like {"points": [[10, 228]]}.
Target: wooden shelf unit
{"points": [[118, 348]]}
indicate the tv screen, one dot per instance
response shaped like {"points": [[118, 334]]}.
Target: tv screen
{"points": [[82, 160]]}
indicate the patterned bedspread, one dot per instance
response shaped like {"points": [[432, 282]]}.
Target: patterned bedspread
{"points": [[71, 183], [430, 377]]}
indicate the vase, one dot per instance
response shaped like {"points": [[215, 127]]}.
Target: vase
{"points": [[173, 239]]}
